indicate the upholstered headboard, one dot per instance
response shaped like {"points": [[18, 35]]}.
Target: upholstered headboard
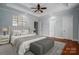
{"points": [[20, 32]]}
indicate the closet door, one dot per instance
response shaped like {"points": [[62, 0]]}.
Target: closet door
{"points": [[67, 31], [58, 28], [51, 28]]}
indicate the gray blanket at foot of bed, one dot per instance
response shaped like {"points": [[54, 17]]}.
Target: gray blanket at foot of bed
{"points": [[42, 46]]}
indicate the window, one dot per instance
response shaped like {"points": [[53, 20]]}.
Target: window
{"points": [[18, 21], [14, 21]]}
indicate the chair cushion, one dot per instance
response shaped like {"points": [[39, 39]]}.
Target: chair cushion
{"points": [[42, 46]]}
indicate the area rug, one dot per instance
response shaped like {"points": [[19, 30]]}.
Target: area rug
{"points": [[57, 49]]}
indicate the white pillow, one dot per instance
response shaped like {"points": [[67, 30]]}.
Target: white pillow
{"points": [[24, 32], [16, 32]]}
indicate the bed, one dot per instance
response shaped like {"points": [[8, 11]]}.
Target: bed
{"points": [[22, 42]]}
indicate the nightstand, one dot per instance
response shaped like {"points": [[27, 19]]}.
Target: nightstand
{"points": [[4, 39]]}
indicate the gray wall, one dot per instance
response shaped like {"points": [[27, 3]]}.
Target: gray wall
{"points": [[75, 24], [75, 27], [6, 19], [44, 27]]}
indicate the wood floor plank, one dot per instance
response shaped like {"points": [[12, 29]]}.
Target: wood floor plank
{"points": [[71, 47]]}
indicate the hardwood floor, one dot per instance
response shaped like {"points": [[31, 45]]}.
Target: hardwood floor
{"points": [[71, 47]]}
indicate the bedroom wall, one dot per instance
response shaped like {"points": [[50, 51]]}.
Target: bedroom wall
{"points": [[43, 25], [78, 32], [6, 18], [47, 28], [44, 28], [76, 24]]}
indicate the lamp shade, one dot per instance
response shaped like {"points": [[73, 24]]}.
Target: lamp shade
{"points": [[4, 29]]}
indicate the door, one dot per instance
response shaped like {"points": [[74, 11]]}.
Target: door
{"points": [[67, 27], [58, 28], [51, 27]]}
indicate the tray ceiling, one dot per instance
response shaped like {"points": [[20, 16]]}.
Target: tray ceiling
{"points": [[51, 7]]}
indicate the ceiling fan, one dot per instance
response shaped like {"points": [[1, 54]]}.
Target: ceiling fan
{"points": [[39, 8]]}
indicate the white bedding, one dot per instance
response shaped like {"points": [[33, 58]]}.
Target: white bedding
{"points": [[25, 45], [16, 37]]}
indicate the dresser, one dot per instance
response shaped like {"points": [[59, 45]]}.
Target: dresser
{"points": [[4, 39]]}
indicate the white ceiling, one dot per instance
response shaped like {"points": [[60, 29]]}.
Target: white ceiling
{"points": [[51, 7]]}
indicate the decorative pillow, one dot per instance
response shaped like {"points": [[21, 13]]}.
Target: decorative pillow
{"points": [[16, 32], [24, 32], [20, 32]]}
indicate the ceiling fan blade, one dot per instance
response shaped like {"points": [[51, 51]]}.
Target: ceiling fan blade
{"points": [[41, 11], [43, 8], [33, 8], [38, 5]]}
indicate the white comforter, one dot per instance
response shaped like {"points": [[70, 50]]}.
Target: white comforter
{"points": [[25, 45], [13, 38]]}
